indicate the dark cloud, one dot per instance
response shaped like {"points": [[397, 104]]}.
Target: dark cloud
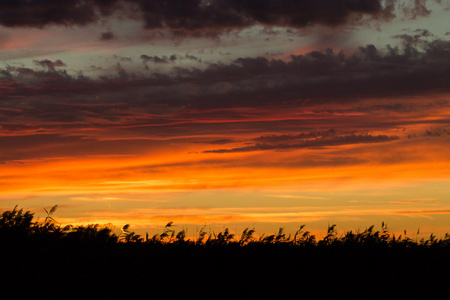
{"points": [[415, 38], [123, 58], [226, 105], [216, 142], [197, 14], [164, 59], [158, 60], [330, 76], [320, 142], [316, 77], [192, 57], [316, 160], [40, 13], [275, 138], [107, 36], [6, 76], [49, 64], [44, 146], [418, 8], [28, 82], [189, 15], [441, 132]]}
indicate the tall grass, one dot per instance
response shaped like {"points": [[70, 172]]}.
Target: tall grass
{"points": [[18, 225], [43, 253]]}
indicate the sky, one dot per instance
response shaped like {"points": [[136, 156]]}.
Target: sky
{"points": [[227, 114]]}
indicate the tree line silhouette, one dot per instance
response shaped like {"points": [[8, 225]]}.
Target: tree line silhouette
{"points": [[97, 254]]}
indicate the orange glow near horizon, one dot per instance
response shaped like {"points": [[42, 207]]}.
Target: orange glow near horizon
{"points": [[100, 189], [182, 172]]}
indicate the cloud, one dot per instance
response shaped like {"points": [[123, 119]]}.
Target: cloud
{"points": [[40, 13], [433, 132], [190, 15], [195, 14], [164, 59], [425, 212], [46, 146], [415, 38], [417, 9], [216, 142], [220, 97], [318, 76], [46, 63], [158, 60], [107, 36], [314, 143], [327, 75], [313, 135], [122, 58], [294, 197]]}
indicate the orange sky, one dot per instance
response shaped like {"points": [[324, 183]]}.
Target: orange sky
{"points": [[403, 181], [276, 119]]}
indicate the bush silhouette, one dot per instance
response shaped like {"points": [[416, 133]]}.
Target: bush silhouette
{"points": [[96, 254]]}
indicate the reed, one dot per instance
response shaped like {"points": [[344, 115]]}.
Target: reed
{"points": [[17, 224], [41, 251]]}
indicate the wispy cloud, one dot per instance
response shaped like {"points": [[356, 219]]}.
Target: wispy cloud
{"points": [[320, 142], [294, 197], [425, 212]]}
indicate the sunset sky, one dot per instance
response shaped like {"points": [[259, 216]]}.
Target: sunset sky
{"points": [[227, 113]]}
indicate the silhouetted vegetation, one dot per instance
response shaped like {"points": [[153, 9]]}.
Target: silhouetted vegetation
{"points": [[93, 253]]}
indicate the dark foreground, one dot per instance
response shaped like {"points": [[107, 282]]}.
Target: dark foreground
{"points": [[45, 258]]}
